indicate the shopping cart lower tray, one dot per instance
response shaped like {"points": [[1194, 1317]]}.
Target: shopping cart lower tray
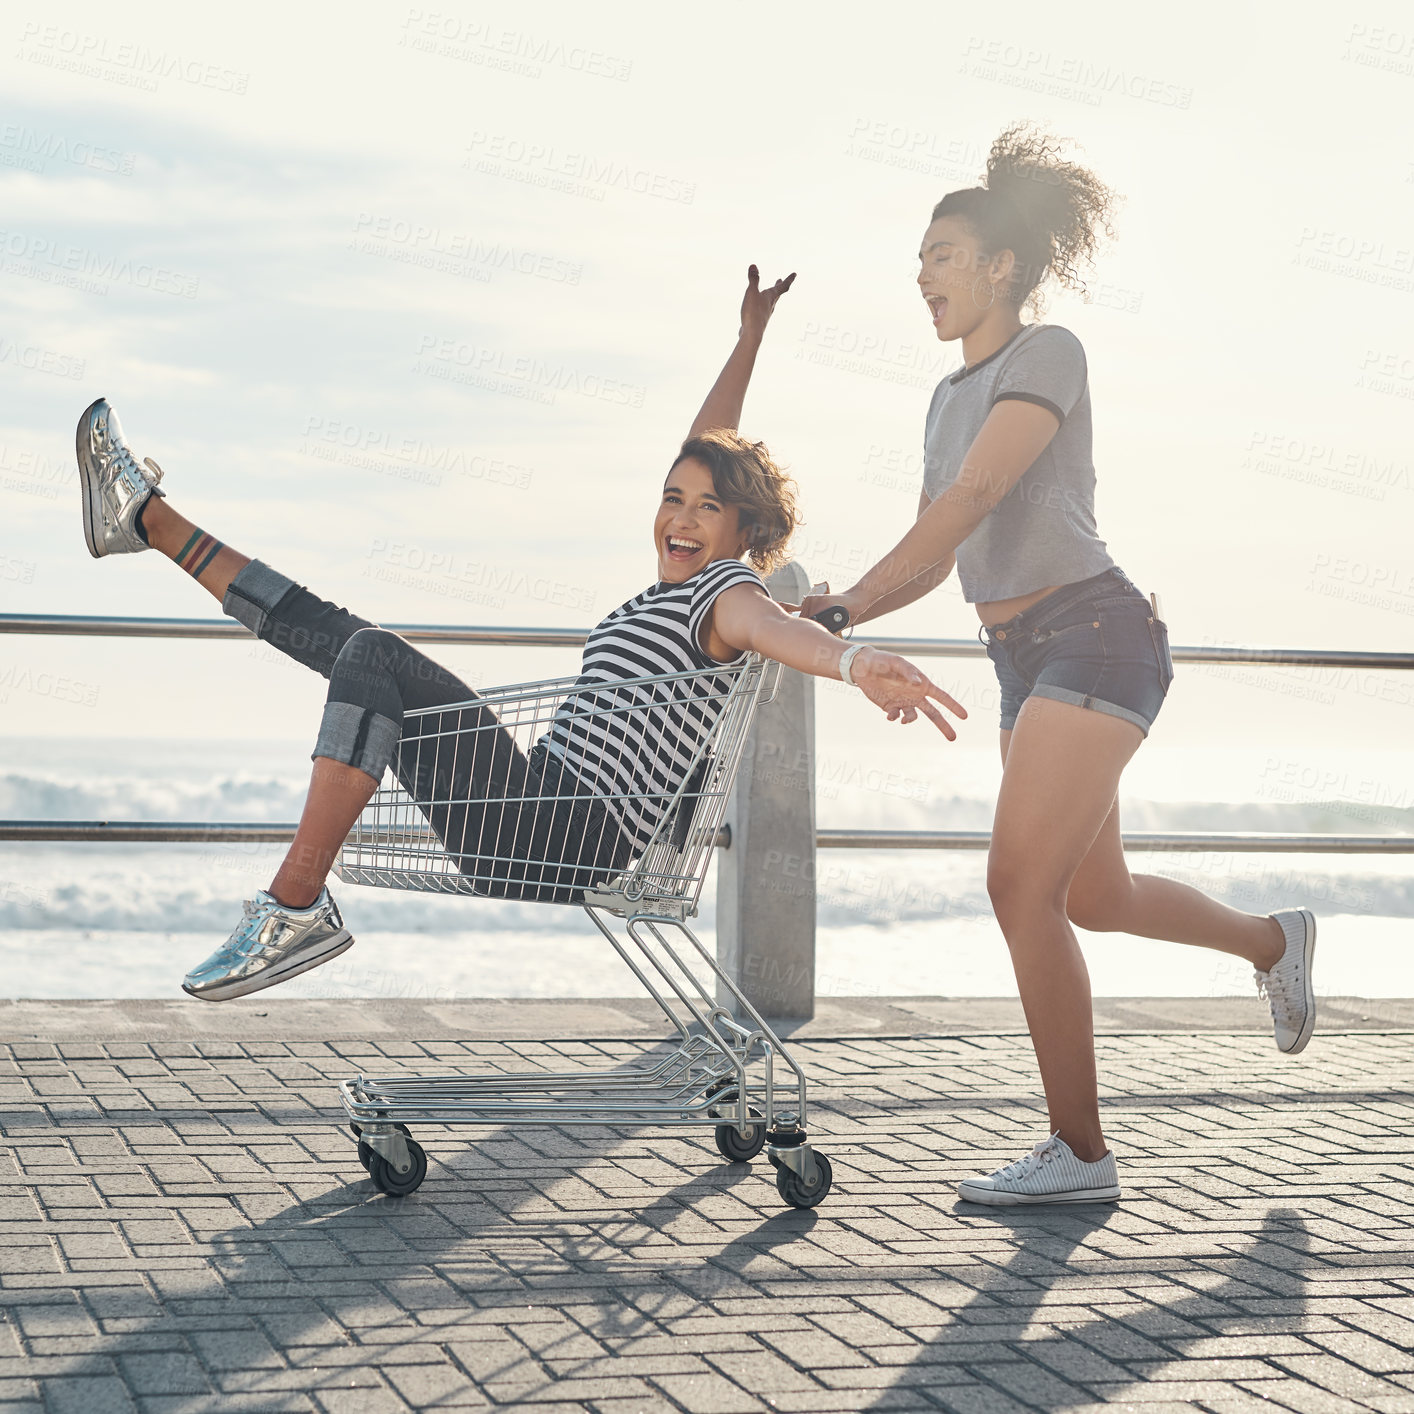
{"points": [[462, 775]]}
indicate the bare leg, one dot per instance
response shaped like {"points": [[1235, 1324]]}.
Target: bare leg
{"points": [[1105, 898], [169, 532], [1061, 775], [1057, 856], [337, 793]]}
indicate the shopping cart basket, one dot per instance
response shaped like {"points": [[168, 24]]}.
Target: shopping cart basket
{"points": [[720, 1068]]}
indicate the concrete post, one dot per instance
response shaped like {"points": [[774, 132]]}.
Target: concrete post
{"points": [[766, 878]]}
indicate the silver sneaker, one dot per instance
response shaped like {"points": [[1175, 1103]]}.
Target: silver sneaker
{"points": [[1050, 1173], [272, 944], [1287, 987], [115, 487]]}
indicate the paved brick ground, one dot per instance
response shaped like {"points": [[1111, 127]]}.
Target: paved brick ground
{"points": [[185, 1228]]}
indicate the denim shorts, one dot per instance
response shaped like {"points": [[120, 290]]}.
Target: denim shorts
{"points": [[1096, 643]]}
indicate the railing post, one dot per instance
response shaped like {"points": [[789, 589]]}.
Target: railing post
{"points": [[766, 878]]}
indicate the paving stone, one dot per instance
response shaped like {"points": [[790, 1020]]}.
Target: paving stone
{"points": [[78, 1395], [166, 1373], [183, 1228]]}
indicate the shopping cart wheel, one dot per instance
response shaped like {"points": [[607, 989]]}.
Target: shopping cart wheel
{"points": [[736, 1150], [356, 1129], [395, 1184], [365, 1152], [793, 1189]]}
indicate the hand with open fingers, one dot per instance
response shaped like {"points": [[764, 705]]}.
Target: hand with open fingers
{"points": [[902, 690], [757, 304]]}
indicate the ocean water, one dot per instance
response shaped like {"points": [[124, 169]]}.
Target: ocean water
{"points": [[89, 920]]}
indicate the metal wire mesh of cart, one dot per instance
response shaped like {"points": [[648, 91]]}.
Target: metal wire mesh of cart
{"points": [[562, 789], [609, 794]]}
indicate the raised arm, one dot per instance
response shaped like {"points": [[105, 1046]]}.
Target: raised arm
{"points": [[745, 619], [723, 405]]}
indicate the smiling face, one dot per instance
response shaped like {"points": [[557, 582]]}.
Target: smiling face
{"points": [[954, 278], [694, 526]]}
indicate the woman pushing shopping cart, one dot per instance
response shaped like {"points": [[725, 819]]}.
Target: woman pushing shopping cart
{"points": [[1081, 655], [566, 815]]}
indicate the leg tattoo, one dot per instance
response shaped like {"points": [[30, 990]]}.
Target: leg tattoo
{"points": [[197, 553]]}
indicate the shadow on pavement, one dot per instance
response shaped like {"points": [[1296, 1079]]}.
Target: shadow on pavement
{"points": [[1077, 1366]]}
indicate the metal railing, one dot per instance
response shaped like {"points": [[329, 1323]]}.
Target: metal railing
{"points": [[102, 626], [238, 832], [158, 832], [777, 975]]}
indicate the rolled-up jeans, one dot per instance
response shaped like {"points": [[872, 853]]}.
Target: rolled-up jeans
{"points": [[520, 827]]}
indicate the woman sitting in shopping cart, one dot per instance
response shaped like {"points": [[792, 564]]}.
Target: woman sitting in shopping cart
{"points": [[590, 794]]}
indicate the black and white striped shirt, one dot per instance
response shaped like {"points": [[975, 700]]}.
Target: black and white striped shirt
{"points": [[632, 746]]}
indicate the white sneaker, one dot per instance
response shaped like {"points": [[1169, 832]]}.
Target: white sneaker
{"points": [[1287, 987], [1050, 1173]]}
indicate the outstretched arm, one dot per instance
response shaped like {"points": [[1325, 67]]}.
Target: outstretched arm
{"points": [[745, 619], [723, 405], [915, 589], [1013, 436]]}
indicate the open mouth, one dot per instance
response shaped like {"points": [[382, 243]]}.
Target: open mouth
{"points": [[938, 304], [680, 548]]}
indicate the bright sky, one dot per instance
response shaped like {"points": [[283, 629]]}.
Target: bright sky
{"points": [[416, 305]]}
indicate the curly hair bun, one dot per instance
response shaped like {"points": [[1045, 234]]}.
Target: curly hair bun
{"points": [[1050, 213], [1062, 203]]}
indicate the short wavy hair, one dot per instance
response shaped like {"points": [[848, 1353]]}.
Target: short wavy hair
{"points": [[745, 476]]}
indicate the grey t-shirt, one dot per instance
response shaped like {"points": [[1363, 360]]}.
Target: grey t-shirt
{"points": [[1043, 530]]}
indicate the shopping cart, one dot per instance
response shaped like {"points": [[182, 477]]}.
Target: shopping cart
{"points": [[720, 1068]]}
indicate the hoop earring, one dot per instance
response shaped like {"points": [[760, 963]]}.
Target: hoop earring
{"points": [[990, 302]]}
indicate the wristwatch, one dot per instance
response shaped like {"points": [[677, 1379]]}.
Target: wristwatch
{"points": [[846, 659]]}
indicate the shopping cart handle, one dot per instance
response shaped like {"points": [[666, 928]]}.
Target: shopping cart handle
{"points": [[834, 618]]}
